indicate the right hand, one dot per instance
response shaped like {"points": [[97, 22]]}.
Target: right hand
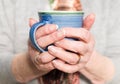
{"points": [[45, 35]]}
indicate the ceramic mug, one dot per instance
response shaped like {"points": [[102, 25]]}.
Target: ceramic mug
{"points": [[61, 18]]}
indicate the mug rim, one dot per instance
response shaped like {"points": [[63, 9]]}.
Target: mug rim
{"points": [[61, 12]]}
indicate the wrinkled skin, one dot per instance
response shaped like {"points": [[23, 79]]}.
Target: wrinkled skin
{"points": [[57, 56]]}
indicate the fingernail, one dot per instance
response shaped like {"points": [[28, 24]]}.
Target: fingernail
{"points": [[54, 62], [57, 27], [53, 28], [51, 48]]}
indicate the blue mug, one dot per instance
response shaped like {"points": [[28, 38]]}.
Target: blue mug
{"points": [[61, 18]]}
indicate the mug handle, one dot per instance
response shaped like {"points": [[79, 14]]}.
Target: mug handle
{"points": [[32, 34]]}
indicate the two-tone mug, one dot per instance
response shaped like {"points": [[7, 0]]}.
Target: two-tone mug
{"points": [[61, 18]]}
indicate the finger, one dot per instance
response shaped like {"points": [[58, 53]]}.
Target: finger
{"points": [[45, 57], [47, 29], [50, 39], [67, 68], [88, 21], [78, 33], [66, 56], [32, 21], [46, 67], [74, 46], [43, 63]]}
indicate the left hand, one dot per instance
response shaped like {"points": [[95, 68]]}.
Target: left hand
{"points": [[81, 50]]}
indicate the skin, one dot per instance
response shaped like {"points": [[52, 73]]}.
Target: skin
{"points": [[83, 58], [82, 49], [80, 59], [45, 35]]}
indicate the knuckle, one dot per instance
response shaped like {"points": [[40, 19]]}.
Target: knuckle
{"points": [[86, 35], [82, 48], [42, 60], [46, 29], [72, 61], [53, 36], [60, 34], [49, 28], [45, 57], [56, 36]]}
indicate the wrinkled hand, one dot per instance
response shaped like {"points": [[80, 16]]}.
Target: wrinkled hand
{"points": [[45, 35], [73, 55]]}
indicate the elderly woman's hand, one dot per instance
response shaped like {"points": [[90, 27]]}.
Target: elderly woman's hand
{"points": [[45, 35], [74, 54]]}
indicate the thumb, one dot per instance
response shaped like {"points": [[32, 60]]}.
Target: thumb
{"points": [[32, 21], [88, 21]]}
